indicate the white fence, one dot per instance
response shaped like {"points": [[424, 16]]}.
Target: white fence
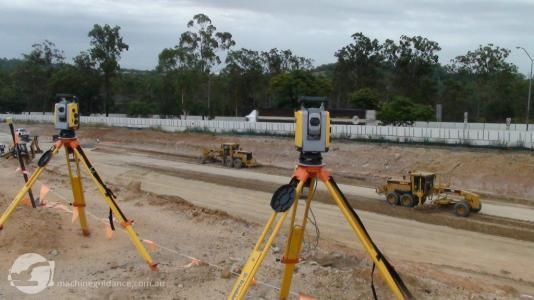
{"points": [[421, 132]]}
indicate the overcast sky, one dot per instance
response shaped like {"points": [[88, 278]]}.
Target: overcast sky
{"points": [[310, 28]]}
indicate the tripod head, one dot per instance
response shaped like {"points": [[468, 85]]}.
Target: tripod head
{"points": [[312, 130]]}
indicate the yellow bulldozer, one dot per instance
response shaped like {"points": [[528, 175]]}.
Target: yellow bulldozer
{"points": [[420, 187], [229, 155]]}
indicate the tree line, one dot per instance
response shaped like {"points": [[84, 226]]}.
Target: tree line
{"points": [[205, 74]]}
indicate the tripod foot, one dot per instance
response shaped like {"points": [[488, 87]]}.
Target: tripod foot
{"points": [[1, 226], [153, 266], [86, 232]]}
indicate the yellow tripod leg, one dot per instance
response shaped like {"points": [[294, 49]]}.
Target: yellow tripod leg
{"points": [[254, 261], [294, 242], [77, 191], [27, 186], [126, 224], [364, 238]]}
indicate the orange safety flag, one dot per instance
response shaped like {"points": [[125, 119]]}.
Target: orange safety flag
{"points": [[75, 214], [42, 194], [18, 169], [253, 282], [151, 245], [194, 262], [26, 201], [109, 232], [305, 297], [62, 207]]}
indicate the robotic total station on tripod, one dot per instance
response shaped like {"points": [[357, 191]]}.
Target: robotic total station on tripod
{"points": [[67, 120], [312, 138]]}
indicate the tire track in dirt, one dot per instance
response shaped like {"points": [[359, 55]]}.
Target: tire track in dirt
{"points": [[511, 228]]}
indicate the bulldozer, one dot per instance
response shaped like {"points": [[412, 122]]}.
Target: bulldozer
{"points": [[420, 187], [229, 155]]}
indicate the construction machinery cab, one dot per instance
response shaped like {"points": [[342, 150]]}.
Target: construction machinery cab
{"points": [[229, 147], [422, 184]]}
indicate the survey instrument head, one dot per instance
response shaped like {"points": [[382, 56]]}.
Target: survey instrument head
{"points": [[312, 126], [66, 113]]}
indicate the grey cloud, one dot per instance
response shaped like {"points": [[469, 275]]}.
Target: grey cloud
{"points": [[315, 29]]}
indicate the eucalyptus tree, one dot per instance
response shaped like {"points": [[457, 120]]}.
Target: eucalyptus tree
{"points": [[106, 47], [196, 53]]}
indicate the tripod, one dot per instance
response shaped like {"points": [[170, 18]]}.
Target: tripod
{"points": [[309, 170], [75, 154]]}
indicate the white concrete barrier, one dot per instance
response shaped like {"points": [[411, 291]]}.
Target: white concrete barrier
{"points": [[496, 135]]}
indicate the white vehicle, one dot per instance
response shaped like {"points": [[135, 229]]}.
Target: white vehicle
{"points": [[22, 133]]}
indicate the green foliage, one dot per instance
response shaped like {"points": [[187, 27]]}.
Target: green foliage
{"points": [[31, 78], [140, 109], [368, 73], [483, 61], [82, 83], [283, 61], [288, 87], [494, 83], [106, 48], [202, 43], [402, 111], [8, 65], [365, 98], [244, 79]]}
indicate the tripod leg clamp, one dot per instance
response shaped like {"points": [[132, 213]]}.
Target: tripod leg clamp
{"points": [[126, 223], [289, 261]]}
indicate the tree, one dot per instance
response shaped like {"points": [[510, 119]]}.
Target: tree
{"points": [[33, 75], [413, 63], [80, 79], [196, 53], [9, 99], [358, 66], [288, 87], [282, 61], [205, 41], [244, 74], [107, 46], [402, 111], [365, 98], [487, 69]]}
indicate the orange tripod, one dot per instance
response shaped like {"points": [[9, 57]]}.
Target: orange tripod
{"points": [[74, 154]]}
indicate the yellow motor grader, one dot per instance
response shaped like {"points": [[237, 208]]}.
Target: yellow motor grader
{"points": [[230, 155], [420, 187]]}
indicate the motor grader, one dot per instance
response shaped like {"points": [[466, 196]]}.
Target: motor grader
{"points": [[420, 187], [229, 155]]}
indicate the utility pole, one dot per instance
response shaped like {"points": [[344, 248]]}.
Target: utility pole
{"points": [[529, 83]]}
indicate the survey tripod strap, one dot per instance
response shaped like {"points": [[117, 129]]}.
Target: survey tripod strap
{"points": [[108, 191], [387, 270]]}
